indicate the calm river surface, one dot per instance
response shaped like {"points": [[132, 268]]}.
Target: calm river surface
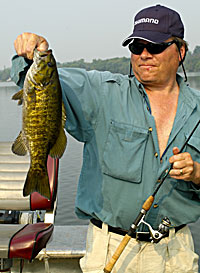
{"points": [[70, 163]]}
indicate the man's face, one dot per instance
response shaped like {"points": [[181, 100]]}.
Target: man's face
{"points": [[156, 69]]}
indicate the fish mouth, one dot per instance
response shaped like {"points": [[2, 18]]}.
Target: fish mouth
{"points": [[41, 54], [45, 53]]}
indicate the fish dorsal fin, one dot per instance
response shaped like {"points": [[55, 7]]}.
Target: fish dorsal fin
{"points": [[19, 146], [18, 96]]}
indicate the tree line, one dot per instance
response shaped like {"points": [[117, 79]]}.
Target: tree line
{"points": [[117, 65]]}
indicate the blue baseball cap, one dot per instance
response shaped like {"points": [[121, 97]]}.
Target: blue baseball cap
{"points": [[156, 24]]}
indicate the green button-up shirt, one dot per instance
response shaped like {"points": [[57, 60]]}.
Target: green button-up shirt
{"points": [[122, 165]]}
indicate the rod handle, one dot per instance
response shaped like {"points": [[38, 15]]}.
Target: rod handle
{"points": [[108, 268], [148, 203]]}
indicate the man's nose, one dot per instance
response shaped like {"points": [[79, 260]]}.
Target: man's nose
{"points": [[145, 53]]}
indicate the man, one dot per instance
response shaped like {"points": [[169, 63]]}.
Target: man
{"points": [[133, 129]]}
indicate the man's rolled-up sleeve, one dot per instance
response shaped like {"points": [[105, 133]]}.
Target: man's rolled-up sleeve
{"points": [[19, 68], [81, 92]]}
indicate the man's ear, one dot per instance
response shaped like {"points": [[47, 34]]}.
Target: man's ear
{"points": [[182, 54]]}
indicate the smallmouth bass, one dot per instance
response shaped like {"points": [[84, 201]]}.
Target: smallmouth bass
{"points": [[43, 120]]}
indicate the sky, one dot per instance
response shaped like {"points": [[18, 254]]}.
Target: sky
{"points": [[84, 29]]}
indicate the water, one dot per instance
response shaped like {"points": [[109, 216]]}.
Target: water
{"points": [[70, 163]]}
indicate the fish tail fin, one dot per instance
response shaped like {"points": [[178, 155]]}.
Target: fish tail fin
{"points": [[37, 181]]}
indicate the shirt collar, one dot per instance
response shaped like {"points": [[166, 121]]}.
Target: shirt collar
{"points": [[185, 93], [184, 90]]}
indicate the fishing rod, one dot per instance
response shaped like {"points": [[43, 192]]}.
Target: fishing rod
{"points": [[156, 235]]}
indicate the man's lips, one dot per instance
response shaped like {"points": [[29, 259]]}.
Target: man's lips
{"points": [[146, 65]]}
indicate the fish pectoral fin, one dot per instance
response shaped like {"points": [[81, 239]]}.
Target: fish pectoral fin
{"points": [[59, 147], [18, 96], [37, 181], [19, 146]]}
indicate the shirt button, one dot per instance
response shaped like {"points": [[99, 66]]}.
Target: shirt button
{"points": [[156, 154], [158, 181], [150, 129]]}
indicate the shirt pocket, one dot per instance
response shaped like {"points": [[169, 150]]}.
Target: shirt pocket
{"points": [[193, 147], [124, 152]]}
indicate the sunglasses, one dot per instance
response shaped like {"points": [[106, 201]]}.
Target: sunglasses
{"points": [[137, 48]]}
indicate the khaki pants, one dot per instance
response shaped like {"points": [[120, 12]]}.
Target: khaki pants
{"points": [[174, 254]]}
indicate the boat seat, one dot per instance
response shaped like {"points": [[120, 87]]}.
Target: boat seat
{"points": [[20, 236], [24, 241]]}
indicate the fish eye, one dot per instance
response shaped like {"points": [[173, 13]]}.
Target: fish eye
{"points": [[50, 64]]}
